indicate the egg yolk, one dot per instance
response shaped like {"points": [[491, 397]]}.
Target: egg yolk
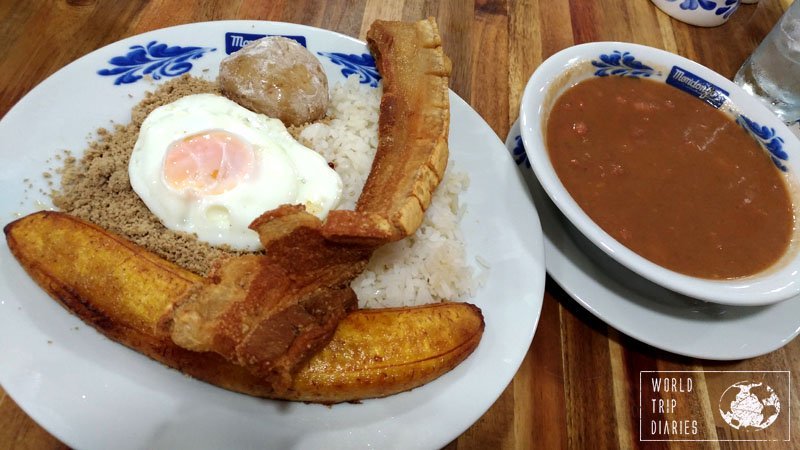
{"points": [[208, 163]]}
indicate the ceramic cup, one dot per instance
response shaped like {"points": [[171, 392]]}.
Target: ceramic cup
{"points": [[703, 13]]}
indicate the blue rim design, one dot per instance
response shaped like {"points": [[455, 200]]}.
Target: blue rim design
{"points": [[519, 154], [768, 138], [155, 59], [363, 65], [622, 64]]}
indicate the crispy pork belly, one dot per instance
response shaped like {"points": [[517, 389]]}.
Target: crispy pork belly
{"points": [[272, 312], [412, 135]]}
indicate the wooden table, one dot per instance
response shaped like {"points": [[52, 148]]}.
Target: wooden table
{"points": [[578, 386]]}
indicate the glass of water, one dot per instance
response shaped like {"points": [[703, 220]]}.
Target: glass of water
{"points": [[772, 72]]}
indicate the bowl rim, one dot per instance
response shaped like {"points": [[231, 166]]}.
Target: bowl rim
{"points": [[771, 286]]}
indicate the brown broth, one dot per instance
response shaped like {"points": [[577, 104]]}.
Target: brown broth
{"points": [[670, 177]]}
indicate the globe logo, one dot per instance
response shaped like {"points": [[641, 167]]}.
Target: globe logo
{"points": [[749, 406]]}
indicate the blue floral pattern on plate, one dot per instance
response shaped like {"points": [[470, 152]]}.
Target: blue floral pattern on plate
{"points": [[520, 157], [363, 65], [725, 10], [621, 64], [155, 59], [768, 139]]}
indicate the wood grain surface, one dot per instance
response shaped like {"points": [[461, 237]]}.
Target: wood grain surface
{"points": [[578, 386]]}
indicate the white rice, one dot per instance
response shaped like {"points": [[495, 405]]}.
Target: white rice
{"points": [[427, 267]]}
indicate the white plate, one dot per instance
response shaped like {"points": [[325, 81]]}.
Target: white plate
{"points": [[644, 310], [93, 393]]}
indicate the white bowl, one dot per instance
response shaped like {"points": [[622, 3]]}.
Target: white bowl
{"points": [[574, 64], [703, 13]]}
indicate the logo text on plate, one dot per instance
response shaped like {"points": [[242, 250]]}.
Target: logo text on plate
{"points": [[235, 41], [700, 88]]}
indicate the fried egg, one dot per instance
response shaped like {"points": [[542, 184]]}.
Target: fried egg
{"points": [[205, 165]]}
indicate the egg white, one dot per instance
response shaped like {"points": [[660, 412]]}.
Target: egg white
{"points": [[284, 172]]}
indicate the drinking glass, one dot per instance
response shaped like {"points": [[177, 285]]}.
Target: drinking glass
{"points": [[772, 72]]}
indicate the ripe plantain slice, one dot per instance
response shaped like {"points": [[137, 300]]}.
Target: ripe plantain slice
{"points": [[122, 290], [102, 278], [378, 352]]}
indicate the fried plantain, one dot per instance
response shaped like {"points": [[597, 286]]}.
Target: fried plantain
{"points": [[123, 290], [373, 349], [74, 260]]}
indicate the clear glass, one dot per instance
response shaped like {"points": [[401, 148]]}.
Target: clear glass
{"points": [[772, 72]]}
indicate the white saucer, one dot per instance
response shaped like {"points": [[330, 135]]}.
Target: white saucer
{"points": [[643, 310]]}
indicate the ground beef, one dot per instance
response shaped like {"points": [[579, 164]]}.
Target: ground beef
{"points": [[96, 187]]}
